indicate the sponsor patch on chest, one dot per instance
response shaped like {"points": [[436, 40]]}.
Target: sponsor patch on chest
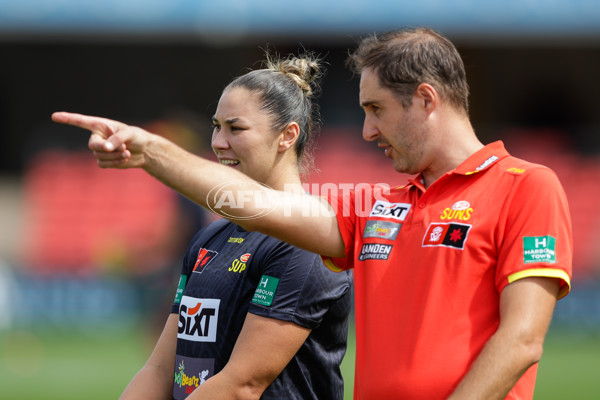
{"points": [[395, 211], [381, 229], [190, 373], [198, 319], [205, 256], [446, 235], [460, 210], [375, 251]]}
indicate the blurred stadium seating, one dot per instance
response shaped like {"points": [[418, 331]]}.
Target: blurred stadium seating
{"points": [[79, 217]]}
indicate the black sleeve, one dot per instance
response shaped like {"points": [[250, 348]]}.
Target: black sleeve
{"points": [[295, 286]]}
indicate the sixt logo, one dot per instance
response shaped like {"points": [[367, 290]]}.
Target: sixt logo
{"points": [[460, 210], [198, 319], [239, 264], [383, 209], [205, 256]]}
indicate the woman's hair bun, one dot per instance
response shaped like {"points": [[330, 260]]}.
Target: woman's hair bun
{"points": [[304, 70]]}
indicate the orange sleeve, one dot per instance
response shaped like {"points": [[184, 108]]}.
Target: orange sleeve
{"points": [[536, 235], [346, 217]]}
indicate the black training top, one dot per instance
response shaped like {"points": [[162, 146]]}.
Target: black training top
{"points": [[229, 272]]}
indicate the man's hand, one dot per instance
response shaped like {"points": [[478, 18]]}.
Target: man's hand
{"points": [[114, 144]]}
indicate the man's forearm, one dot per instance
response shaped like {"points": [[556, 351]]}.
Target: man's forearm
{"points": [[526, 308], [497, 369]]}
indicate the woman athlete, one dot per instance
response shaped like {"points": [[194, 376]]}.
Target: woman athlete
{"points": [[253, 317]]}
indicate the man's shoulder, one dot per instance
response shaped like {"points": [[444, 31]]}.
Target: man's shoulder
{"points": [[519, 167]]}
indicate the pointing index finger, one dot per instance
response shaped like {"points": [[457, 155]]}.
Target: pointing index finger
{"points": [[103, 126]]}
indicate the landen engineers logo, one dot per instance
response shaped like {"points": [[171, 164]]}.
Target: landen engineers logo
{"points": [[228, 196]]}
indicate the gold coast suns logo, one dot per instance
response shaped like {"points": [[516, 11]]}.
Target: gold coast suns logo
{"points": [[239, 264], [461, 210]]}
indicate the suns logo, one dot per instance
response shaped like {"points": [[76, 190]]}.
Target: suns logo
{"points": [[460, 210]]}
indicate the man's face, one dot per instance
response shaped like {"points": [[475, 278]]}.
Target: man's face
{"points": [[399, 131]]}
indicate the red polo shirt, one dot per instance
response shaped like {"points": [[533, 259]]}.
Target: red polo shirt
{"points": [[429, 266]]}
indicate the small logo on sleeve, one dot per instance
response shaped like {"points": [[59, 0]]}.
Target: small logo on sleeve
{"points": [[180, 288], [539, 249], [446, 235], [265, 291]]}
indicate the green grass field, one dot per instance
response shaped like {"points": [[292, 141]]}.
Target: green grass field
{"points": [[57, 365]]}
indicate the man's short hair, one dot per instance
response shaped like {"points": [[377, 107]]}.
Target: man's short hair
{"points": [[405, 58]]}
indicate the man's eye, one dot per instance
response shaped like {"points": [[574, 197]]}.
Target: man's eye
{"points": [[216, 127]]}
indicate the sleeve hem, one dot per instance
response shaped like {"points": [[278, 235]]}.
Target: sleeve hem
{"points": [[330, 264], [565, 286], [284, 316]]}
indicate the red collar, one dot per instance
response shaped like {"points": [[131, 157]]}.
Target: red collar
{"points": [[483, 159], [477, 162]]}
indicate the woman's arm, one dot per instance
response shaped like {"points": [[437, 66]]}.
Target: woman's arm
{"points": [[254, 364], [155, 380], [302, 220]]}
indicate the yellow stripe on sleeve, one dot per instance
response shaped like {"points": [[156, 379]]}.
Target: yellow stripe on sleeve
{"points": [[329, 264], [547, 273]]}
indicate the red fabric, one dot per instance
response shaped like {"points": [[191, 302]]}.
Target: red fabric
{"points": [[424, 313]]}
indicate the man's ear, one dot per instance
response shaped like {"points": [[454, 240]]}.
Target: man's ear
{"points": [[287, 138], [427, 97]]}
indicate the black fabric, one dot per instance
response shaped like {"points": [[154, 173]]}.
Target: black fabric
{"points": [[223, 269]]}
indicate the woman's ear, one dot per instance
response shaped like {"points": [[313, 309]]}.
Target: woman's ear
{"points": [[287, 138]]}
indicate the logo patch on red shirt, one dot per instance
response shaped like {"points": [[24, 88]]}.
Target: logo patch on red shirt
{"points": [[446, 235]]}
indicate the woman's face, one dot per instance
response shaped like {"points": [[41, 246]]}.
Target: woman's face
{"points": [[243, 137]]}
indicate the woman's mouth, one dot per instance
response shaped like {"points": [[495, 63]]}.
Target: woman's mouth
{"points": [[229, 162]]}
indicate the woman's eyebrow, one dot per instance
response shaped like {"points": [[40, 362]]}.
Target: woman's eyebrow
{"points": [[228, 121]]}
